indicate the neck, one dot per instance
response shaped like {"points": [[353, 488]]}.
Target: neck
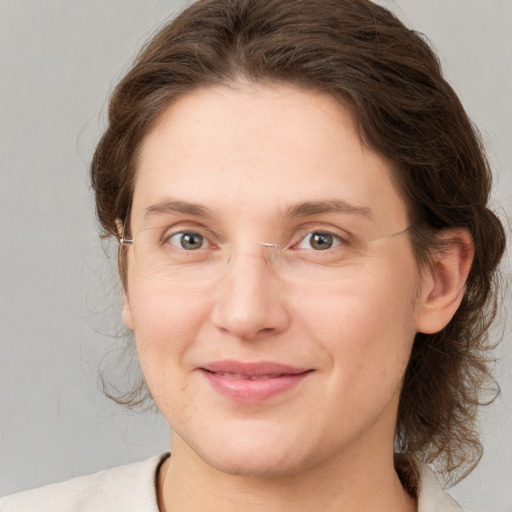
{"points": [[188, 484]]}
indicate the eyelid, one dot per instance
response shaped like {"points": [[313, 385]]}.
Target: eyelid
{"points": [[308, 239], [175, 243], [189, 227], [299, 234], [174, 247], [292, 236]]}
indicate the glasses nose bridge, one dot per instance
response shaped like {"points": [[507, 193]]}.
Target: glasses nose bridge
{"points": [[254, 250]]}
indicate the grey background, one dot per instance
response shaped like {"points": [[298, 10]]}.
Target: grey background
{"points": [[59, 297]]}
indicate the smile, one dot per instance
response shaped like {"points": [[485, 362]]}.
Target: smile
{"points": [[252, 382], [248, 377]]}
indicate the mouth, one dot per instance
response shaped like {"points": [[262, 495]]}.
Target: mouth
{"points": [[252, 382], [248, 377]]}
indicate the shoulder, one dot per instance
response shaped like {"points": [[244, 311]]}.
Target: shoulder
{"points": [[431, 497], [124, 488]]}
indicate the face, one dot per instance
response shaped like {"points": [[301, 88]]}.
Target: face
{"points": [[269, 360]]}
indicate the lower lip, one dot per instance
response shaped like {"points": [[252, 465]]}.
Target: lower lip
{"points": [[253, 391]]}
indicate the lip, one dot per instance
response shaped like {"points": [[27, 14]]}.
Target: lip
{"points": [[252, 382]]}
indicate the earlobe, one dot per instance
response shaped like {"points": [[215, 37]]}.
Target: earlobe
{"points": [[443, 283], [127, 312]]}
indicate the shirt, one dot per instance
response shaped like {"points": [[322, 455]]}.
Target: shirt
{"points": [[132, 488]]}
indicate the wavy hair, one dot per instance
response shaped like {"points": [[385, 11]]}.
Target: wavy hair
{"points": [[391, 80]]}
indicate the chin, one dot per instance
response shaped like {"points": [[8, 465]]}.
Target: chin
{"points": [[254, 464], [260, 454]]}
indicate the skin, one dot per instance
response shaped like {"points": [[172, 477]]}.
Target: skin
{"points": [[248, 154]]}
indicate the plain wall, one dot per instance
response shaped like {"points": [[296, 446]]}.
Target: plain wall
{"points": [[59, 297]]}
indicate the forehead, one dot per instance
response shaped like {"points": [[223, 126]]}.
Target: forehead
{"points": [[261, 147]]}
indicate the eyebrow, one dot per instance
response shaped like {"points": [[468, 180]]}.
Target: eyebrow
{"points": [[332, 206], [172, 206], [305, 209]]}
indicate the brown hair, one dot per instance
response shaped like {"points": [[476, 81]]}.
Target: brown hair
{"points": [[391, 80]]}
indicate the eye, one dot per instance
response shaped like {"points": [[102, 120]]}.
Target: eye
{"points": [[188, 240], [319, 241]]}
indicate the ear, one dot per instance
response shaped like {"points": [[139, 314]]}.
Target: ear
{"points": [[127, 312], [119, 227], [443, 283]]}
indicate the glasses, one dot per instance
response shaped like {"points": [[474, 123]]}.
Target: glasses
{"points": [[197, 254]]}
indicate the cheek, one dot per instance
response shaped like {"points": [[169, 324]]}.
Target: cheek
{"points": [[367, 328], [166, 320], [166, 323]]}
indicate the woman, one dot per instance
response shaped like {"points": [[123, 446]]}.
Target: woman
{"points": [[307, 259]]}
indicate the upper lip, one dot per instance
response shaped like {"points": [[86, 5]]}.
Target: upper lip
{"points": [[252, 369]]}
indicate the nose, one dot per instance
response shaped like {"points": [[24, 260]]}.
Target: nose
{"points": [[250, 299]]}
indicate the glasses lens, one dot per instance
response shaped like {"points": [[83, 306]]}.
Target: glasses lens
{"points": [[189, 256]]}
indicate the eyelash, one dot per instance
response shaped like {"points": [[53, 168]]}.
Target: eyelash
{"points": [[167, 239], [337, 240]]}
